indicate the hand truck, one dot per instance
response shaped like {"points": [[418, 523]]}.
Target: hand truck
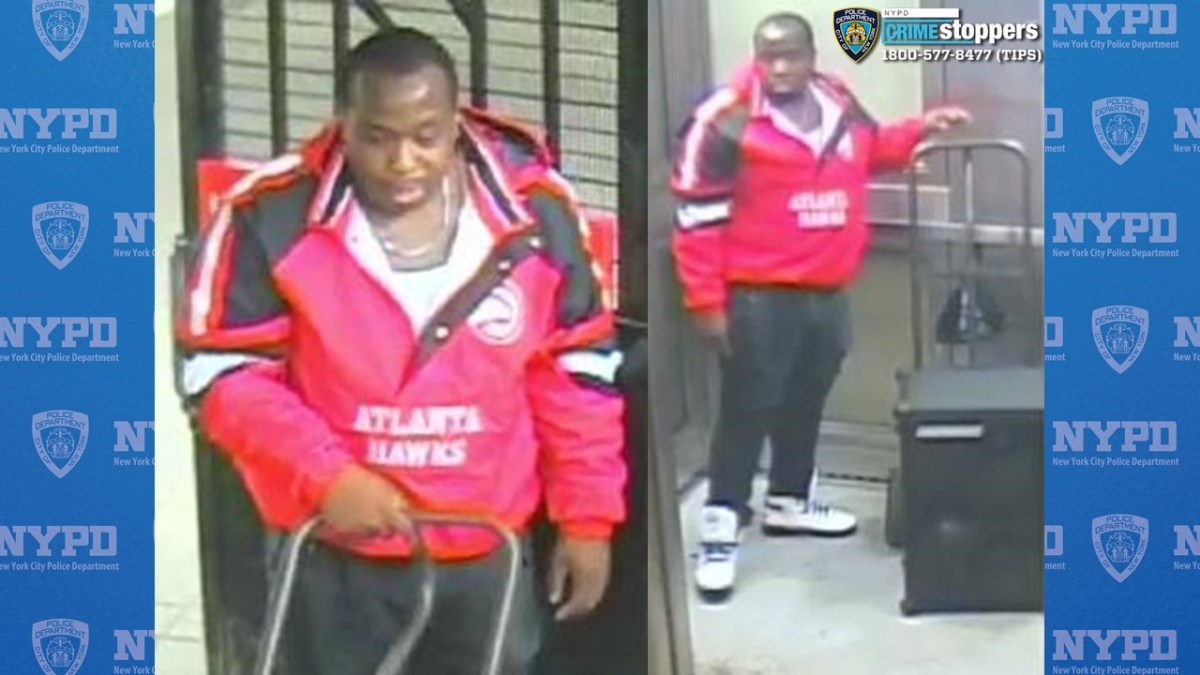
{"points": [[397, 656]]}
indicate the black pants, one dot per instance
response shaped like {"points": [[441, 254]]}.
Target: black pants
{"points": [[348, 611], [788, 347]]}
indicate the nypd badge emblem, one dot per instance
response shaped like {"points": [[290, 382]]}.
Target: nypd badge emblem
{"points": [[60, 229], [60, 25], [856, 29], [1120, 543], [1120, 124], [60, 645], [60, 437], [1120, 334]]}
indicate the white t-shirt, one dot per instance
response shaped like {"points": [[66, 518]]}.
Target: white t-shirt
{"points": [[422, 292], [815, 139]]}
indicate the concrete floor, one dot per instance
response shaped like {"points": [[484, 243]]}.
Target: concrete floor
{"points": [[821, 607]]}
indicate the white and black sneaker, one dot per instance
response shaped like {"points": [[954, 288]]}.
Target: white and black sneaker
{"points": [[716, 562], [791, 516]]}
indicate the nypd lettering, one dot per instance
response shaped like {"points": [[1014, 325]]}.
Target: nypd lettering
{"points": [[1126, 25], [132, 24], [1116, 235], [41, 337], [133, 645], [130, 235], [1113, 443], [424, 436], [1052, 547], [1136, 645], [58, 131], [58, 548], [1053, 130], [130, 447], [1052, 327], [820, 210]]}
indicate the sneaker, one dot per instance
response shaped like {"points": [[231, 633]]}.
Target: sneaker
{"points": [[786, 516], [716, 564]]}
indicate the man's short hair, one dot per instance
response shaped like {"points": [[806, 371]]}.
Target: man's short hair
{"points": [[790, 22], [395, 51]]}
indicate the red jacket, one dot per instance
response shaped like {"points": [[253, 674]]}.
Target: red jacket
{"points": [[758, 206], [304, 364]]}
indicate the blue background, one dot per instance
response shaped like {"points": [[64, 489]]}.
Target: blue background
{"points": [[1155, 596], [95, 75]]}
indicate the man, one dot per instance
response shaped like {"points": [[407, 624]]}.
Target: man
{"points": [[772, 175], [402, 316]]}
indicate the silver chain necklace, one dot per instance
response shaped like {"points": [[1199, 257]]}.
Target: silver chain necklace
{"points": [[395, 251]]}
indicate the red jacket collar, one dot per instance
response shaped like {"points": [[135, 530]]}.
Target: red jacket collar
{"points": [[747, 83]]}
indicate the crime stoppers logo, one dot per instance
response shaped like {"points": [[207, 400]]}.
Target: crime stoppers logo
{"points": [[500, 317], [856, 29], [60, 229], [60, 25], [60, 645], [1120, 543], [1120, 124], [1120, 333], [60, 437]]}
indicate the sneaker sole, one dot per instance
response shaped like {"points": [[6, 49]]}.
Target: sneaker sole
{"points": [[780, 531], [712, 597]]}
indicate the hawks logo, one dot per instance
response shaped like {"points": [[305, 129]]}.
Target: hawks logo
{"points": [[500, 317], [1120, 124], [60, 645], [60, 437], [60, 25], [856, 29], [60, 229], [1120, 543], [1120, 334]]}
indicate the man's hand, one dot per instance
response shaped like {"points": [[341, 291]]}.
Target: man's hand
{"points": [[581, 568], [941, 119], [715, 329], [362, 503]]}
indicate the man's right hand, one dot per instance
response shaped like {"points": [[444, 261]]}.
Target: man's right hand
{"points": [[715, 328], [362, 503]]}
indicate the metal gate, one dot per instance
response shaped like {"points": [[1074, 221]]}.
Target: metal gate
{"points": [[257, 76]]}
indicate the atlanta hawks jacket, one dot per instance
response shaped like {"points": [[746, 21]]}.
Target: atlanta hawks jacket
{"points": [[759, 205], [302, 364]]}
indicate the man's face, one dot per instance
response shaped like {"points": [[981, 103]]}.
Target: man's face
{"points": [[400, 133], [786, 58]]}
